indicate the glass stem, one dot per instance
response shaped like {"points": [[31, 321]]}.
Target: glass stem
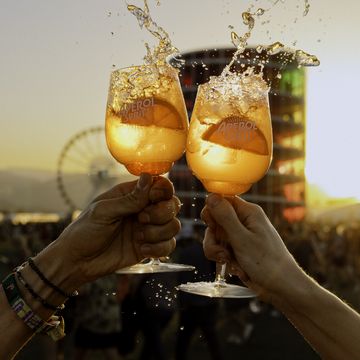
{"points": [[154, 261], [220, 276]]}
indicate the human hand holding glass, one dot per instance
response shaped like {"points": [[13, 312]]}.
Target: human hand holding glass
{"points": [[146, 129], [229, 148]]}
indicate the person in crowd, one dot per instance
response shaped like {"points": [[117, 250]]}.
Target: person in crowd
{"points": [[258, 256], [121, 227]]}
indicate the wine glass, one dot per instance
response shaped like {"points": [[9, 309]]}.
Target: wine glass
{"points": [[229, 148], [146, 129]]}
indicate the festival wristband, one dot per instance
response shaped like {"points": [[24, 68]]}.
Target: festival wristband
{"points": [[54, 327]]}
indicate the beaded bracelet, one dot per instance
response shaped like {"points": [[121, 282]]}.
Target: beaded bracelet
{"points": [[54, 327], [48, 282], [34, 294]]}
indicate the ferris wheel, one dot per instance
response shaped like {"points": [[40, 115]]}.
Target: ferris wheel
{"points": [[85, 168]]}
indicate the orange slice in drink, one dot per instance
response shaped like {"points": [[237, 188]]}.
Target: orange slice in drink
{"points": [[238, 133], [151, 111]]}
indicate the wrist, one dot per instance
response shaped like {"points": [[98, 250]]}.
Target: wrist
{"points": [[56, 269], [295, 291]]}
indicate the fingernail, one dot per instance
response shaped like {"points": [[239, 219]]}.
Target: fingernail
{"points": [[213, 200], [143, 182], [145, 249]]}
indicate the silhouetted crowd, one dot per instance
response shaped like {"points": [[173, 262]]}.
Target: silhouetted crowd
{"points": [[145, 317]]}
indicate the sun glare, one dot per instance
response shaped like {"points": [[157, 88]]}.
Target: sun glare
{"points": [[332, 144]]}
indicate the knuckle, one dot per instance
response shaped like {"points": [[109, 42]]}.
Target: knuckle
{"points": [[162, 232], [172, 244], [168, 247], [169, 207], [258, 210], [162, 189], [95, 210], [204, 215], [150, 233], [176, 225], [133, 196], [162, 212], [177, 204]]}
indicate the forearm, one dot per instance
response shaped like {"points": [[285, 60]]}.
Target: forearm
{"points": [[13, 331], [328, 324]]}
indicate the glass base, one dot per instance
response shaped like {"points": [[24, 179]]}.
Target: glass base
{"points": [[154, 266], [217, 290], [225, 188], [153, 168]]}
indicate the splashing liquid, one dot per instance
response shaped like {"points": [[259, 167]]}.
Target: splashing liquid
{"points": [[146, 119], [164, 49], [241, 42], [300, 56], [230, 130]]}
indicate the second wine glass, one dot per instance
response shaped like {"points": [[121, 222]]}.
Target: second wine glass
{"points": [[146, 129], [229, 148]]}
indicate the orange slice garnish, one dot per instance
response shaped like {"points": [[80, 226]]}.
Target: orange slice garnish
{"points": [[238, 133], [151, 111]]}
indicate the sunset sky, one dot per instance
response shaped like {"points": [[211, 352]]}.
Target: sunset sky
{"points": [[56, 57]]}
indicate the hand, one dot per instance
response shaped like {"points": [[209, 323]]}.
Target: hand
{"points": [[240, 234], [120, 228]]}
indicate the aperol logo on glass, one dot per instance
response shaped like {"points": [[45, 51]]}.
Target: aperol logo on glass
{"points": [[136, 109], [236, 130], [238, 133]]}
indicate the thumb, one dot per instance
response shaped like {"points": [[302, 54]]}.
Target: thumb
{"points": [[130, 203], [224, 214]]}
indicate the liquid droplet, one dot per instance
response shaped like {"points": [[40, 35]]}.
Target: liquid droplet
{"points": [[248, 19], [307, 7], [305, 59], [235, 39], [164, 49], [275, 48], [260, 49]]}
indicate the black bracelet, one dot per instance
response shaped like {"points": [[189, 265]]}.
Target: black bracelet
{"points": [[35, 295], [48, 282]]}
